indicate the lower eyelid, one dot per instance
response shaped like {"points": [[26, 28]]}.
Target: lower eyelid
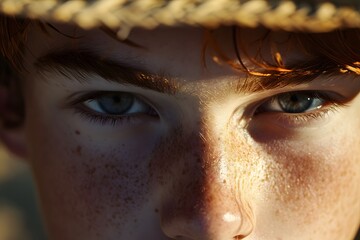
{"points": [[112, 120], [98, 118], [292, 121]]}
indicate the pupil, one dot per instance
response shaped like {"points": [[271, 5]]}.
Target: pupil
{"points": [[116, 99], [295, 102], [294, 98]]}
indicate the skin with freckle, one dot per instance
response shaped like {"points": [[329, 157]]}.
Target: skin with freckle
{"points": [[207, 167]]}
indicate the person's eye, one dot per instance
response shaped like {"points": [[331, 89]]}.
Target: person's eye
{"points": [[113, 107], [298, 107], [296, 102]]}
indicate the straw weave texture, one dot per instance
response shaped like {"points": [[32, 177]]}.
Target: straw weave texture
{"points": [[310, 15]]}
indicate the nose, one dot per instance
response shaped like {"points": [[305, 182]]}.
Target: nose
{"points": [[201, 198]]}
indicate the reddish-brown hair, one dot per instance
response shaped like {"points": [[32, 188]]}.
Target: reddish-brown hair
{"points": [[327, 53], [339, 48]]}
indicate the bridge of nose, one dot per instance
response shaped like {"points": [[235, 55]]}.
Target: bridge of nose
{"points": [[197, 200]]}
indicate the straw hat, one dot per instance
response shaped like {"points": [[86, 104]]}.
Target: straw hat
{"points": [[292, 15]]}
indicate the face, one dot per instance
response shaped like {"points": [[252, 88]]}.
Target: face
{"points": [[154, 138]]}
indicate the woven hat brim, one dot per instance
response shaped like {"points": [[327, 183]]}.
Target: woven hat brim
{"points": [[126, 14]]}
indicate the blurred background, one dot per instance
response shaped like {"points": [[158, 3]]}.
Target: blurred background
{"points": [[19, 214]]}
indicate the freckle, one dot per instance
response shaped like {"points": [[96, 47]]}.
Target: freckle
{"points": [[78, 150], [92, 171], [156, 210], [128, 200], [77, 132]]}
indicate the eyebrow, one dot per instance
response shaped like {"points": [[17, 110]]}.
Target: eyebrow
{"points": [[79, 63], [300, 72]]}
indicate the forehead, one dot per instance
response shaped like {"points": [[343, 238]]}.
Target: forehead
{"points": [[156, 49], [185, 52]]}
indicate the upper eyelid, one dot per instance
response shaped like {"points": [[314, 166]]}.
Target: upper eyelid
{"points": [[79, 97], [327, 95], [312, 91], [75, 100]]}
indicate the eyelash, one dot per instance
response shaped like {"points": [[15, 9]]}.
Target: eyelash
{"points": [[332, 103], [303, 118], [107, 119], [104, 119]]}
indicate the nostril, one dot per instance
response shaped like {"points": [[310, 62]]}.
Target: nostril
{"points": [[238, 237]]}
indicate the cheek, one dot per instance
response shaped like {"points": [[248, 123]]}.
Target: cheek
{"points": [[302, 172], [88, 180], [308, 184], [316, 180]]}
